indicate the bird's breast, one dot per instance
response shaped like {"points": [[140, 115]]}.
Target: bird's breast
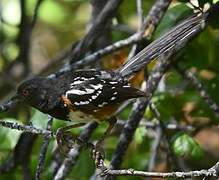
{"points": [[81, 117]]}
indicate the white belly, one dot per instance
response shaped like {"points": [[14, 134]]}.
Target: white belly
{"points": [[79, 116]]}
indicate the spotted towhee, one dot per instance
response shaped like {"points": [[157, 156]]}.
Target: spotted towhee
{"points": [[82, 96], [93, 95]]}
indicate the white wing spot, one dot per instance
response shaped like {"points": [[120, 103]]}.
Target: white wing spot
{"points": [[79, 92], [113, 87], [103, 104], [113, 98], [126, 86], [94, 97], [89, 91], [113, 82], [77, 82], [98, 86], [76, 103], [115, 93], [75, 91], [76, 78], [82, 103]]}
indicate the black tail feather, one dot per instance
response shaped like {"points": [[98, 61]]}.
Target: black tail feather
{"points": [[171, 41]]}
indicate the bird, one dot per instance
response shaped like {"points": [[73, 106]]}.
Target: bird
{"points": [[95, 95], [82, 96]]}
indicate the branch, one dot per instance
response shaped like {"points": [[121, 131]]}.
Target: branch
{"points": [[7, 106], [154, 148], [212, 172], [20, 156], [98, 26], [154, 125], [26, 128], [43, 151], [140, 22], [172, 159], [200, 88], [35, 14]]}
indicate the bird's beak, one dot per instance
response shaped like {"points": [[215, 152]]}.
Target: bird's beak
{"points": [[10, 104], [17, 99]]}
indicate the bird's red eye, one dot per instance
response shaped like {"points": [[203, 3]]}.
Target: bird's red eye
{"points": [[26, 92]]}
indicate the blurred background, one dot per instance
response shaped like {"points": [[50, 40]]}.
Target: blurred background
{"points": [[35, 37]]}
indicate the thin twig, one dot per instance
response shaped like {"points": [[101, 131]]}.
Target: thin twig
{"points": [[35, 14], [140, 22], [154, 149], [212, 172], [98, 54], [153, 125], [43, 150], [172, 160], [98, 26], [199, 87], [26, 128], [7, 106]]}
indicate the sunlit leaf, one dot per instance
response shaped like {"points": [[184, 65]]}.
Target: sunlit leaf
{"points": [[139, 135], [9, 137], [186, 146]]}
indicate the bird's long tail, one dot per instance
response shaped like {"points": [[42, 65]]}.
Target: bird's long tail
{"points": [[173, 40]]}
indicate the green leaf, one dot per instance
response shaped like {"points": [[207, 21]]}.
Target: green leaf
{"points": [[39, 119], [9, 137], [186, 146], [52, 12], [139, 135]]}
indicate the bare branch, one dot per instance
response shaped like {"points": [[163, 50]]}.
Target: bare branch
{"points": [[35, 14], [7, 106], [154, 149], [99, 24], [212, 172], [199, 87], [25, 128], [43, 150]]}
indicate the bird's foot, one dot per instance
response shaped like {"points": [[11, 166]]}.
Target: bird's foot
{"points": [[98, 156], [66, 140]]}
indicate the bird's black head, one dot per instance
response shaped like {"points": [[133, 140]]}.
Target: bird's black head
{"points": [[33, 92]]}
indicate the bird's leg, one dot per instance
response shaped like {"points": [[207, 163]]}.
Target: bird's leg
{"points": [[97, 151], [112, 121], [63, 135]]}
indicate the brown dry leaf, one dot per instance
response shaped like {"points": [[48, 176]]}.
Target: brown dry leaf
{"points": [[197, 120], [206, 74], [208, 139], [137, 80], [114, 61], [188, 107]]}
